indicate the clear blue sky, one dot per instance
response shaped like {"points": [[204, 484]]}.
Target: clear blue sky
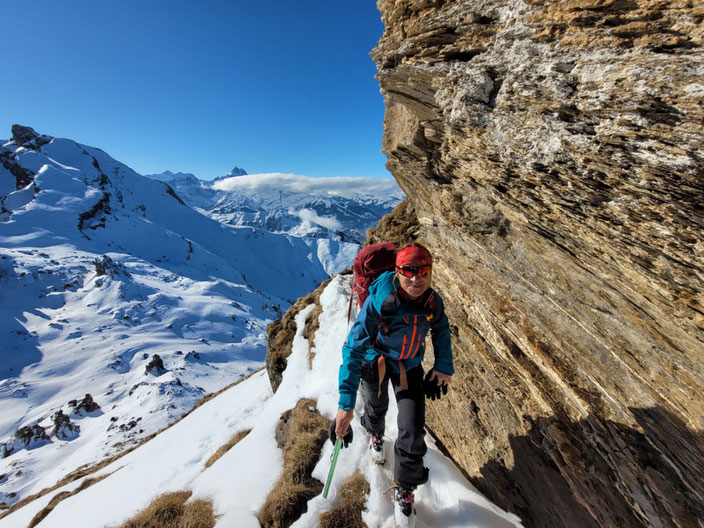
{"points": [[278, 86]]}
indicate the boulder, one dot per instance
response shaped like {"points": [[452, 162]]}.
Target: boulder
{"points": [[155, 367], [86, 406], [64, 429]]}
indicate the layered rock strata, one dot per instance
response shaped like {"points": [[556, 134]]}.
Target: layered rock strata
{"points": [[552, 152]]}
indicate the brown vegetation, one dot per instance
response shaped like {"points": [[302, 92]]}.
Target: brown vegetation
{"points": [[239, 435], [352, 499], [170, 510], [281, 332], [301, 441], [56, 499], [400, 225], [87, 470]]}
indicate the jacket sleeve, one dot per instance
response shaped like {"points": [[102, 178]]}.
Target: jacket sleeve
{"points": [[440, 336], [361, 338]]}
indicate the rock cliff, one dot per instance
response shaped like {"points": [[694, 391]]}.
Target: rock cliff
{"points": [[552, 152]]}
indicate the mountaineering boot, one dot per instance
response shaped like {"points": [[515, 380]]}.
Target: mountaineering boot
{"points": [[404, 510], [376, 447]]}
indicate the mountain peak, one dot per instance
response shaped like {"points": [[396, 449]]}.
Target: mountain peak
{"points": [[170, 177], [26, 136], [234, 172]]}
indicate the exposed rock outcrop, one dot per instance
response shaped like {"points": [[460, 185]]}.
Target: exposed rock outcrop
{"points": [[104, 265], [64, 429], [27, 137], [552, 152], [155, 367], [27, 437], [86, 406]]}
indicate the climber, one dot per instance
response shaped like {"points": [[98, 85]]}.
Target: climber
{"points": [[387, 342]]}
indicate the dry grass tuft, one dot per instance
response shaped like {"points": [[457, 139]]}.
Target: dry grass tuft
{"points": [[400, 225], [286, 502], [198, 514], [87, 470], [170, 510], [289, 497], [348, 512], [56, 499], [239, 435]]}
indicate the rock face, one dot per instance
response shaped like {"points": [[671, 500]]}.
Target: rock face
{"points": [[552, 152], [27, 137]]}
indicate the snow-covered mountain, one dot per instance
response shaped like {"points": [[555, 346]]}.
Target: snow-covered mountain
{"points": [[237, 484], [110, 285], [333, 208]]}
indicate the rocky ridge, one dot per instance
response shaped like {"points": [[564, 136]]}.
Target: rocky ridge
{"points": [[552, 153]]}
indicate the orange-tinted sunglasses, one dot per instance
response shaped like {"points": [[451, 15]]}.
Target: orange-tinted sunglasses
{"points": [[419, 271]]}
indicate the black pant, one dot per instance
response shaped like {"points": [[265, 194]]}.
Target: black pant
{"points": [[410, 447]]}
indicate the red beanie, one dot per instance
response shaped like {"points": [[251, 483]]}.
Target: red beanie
{"points": [[413, 256]]}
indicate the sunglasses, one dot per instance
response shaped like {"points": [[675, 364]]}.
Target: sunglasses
{"points": [[410, 271]]}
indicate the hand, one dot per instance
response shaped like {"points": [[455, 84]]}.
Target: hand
{"points": [[340, 426], [435, 384]]}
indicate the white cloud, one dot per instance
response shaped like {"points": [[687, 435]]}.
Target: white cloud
{"points": [[293, 183], [329, 222]]}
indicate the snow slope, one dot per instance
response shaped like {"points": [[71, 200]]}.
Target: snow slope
{"points": [[240, 480], [102, 270], [333, 208]]}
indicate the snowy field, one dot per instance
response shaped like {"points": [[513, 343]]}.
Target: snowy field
{"points": [[239, 481], [101, 271]]}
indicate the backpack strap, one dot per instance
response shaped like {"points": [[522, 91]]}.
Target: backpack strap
{"points": [[390, 304], [349, 308]]}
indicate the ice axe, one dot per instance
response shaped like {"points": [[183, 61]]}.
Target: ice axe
{"points": [[336, 451]]}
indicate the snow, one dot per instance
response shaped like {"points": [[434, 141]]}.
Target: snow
{"points": [[332, 208], [180, 285], [7, 181], [240, 480], [102, 269]]}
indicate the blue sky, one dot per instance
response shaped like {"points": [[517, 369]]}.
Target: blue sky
{"points": [[279, 86]]}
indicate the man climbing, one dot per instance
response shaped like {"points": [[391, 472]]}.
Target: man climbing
{"points": [[387, 343]]}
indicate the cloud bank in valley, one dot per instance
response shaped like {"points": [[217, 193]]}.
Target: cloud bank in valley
{"points": [[294, 183]]}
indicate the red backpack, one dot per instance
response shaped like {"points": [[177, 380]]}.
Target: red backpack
{"points": [[371, 261]]}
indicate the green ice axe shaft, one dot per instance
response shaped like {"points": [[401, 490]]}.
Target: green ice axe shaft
{"points": [[336, 452]]}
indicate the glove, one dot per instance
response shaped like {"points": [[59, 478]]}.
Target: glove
{"points": [[431, 388], [346, 440]]}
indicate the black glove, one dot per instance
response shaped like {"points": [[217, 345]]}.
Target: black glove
{"points": [[432, 389], [346, 440]]}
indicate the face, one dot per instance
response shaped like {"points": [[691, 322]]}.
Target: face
{"points": [[414, 286]]}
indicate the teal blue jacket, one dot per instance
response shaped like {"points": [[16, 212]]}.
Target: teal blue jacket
{"points": [[398, 334]]}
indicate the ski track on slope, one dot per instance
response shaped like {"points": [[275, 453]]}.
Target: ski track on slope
{"points": [[240, 480]]}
